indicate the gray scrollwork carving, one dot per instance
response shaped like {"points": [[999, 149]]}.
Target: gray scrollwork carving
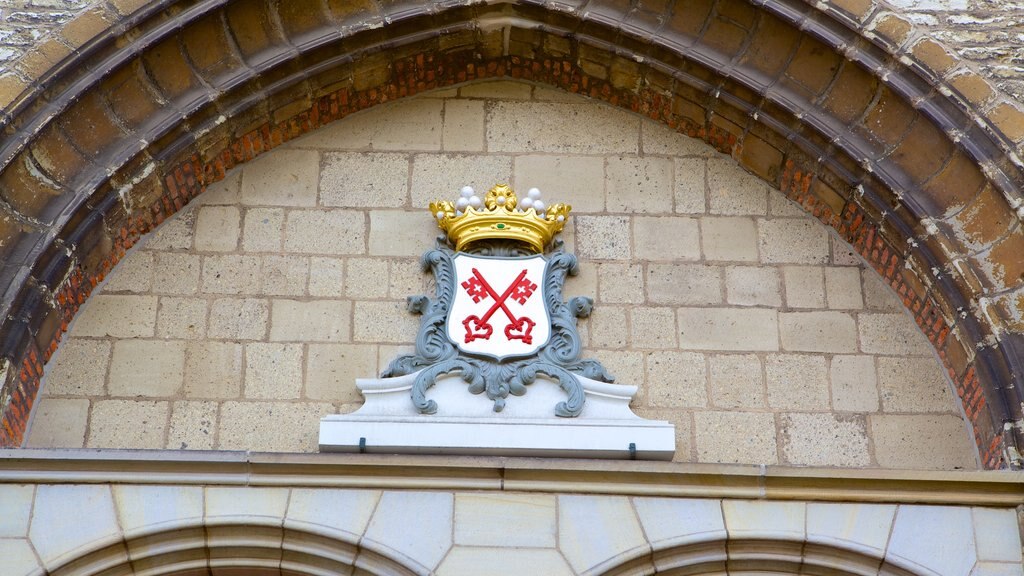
{"points": [[559, 359]]}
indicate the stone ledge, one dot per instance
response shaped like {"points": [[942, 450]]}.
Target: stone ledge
{"points": [[978, 488]]}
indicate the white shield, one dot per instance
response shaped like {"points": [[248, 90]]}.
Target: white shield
{"points": [[499, 308]]}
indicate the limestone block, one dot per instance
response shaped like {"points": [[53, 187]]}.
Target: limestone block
{"points": [[854, 385], [735, 437], [503, 561], [176, 273], [728, 329], [273, 370], [818, 332], [753, 286], [78, 368], [913, 385], [730, 239], [670, 521], [54, 538], [595, 532], [325, 233], [143, 508], [652, 327], [797, 382], [805, 286], [58, 423], [314, 321], [341, 511], [736, 381], [128, 424], [19, 558], [402, 513], [526, 520], [759, 519], [229, 505], [282, 178], [620, 283], [364, 278], [463, 126], [118, 316], [192, 426], [690, 186], [877, 294], [733, 191], [213, 369], [181, 318], [676, 379], [397, 233], [442, 176], [932, 442], [384, 322], [938, 538], [663, 238], [792, 241], [231, 274], [364, 179], [575, 180], [864, 526], [403, 125], [332, 369], [270, 426], [825, 440], [609, 327], [894, 334], [843, 288], [16, 502], [239, 318], [639, 184], [284, 275], [997, 535], [564, 128], [684, 284], [326, 276], [134, 273], [498, 89], [147, 368], [659, 139], [603, 237], [217, 229], [263, 230]]}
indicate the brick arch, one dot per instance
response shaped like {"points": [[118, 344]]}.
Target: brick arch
{"points": [[880, 148]]}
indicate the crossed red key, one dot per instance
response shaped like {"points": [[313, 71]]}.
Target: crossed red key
{"points": [[519, 290]]}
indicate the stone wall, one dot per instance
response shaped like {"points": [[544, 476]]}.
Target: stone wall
{"points": [[248, 315]]}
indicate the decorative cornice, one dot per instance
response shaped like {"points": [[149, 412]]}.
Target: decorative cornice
{"points": [[625, 478]]}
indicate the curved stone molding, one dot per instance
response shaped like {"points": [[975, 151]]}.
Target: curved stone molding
{"points": [[899, 162]]}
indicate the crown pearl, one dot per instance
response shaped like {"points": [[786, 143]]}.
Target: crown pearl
{"points": [[467, 191]]}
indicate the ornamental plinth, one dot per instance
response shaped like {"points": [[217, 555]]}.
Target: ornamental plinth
{"points": [[498, 368]]}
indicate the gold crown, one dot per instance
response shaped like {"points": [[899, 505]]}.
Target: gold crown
{"points": [[497, 217]]}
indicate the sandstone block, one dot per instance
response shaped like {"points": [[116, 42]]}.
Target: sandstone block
{"points": [[181, 318], [603, 237], [929, 442], [818, 332], [753, 286], [854, 386], [231, 274], [913, 385], [137, 424], [284, 275], [192, 426], [563, 128], [58, 423], [320, 232], [730, 239], [878, 295], [779, 205], [735, 437], [403, 125], [676, 379], [625, 365], [686, 284], [463, 126], [134, 273], [659, 139], [843, 288], [728, 329], [364, 278], [805, 286], [273, 370], [239, 319], [442, 176], [147, 368], [213, 369], [825, 440], [575, 180], [283, 178], [175, 233], [609, 327], [386, 321], [224, 193], [639, 184], [79, 368], [397, 233], [326, 276], [690, 185], [733, 191], [736, 381], [405, 278], [792, 240], [217, 229], [666, 238], [364, 179], [264, 230], [620, 283], [653, 327], [315, 321], [332, 369], [797, 382], [118, 316], [271, 426], [894, 334], [176, 273]]}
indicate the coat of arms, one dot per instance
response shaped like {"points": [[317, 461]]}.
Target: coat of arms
{"points": [[498, 318]]}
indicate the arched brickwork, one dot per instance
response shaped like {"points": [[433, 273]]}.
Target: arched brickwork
{"points": [[878, 146]]}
